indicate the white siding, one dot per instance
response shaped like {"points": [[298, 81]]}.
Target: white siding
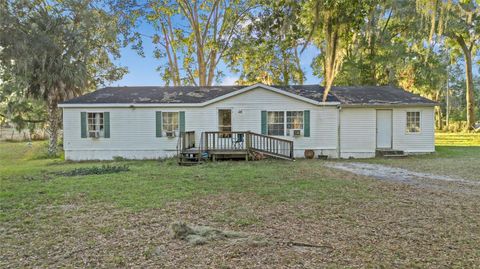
{"points": [[132, 130], [358, 131], [424, 141]]}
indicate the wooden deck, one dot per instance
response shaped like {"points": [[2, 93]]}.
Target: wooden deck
{"points": [[231, 145]]}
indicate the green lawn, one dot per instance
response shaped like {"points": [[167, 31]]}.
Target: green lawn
{"points": [[453, 139], [122, 219]]}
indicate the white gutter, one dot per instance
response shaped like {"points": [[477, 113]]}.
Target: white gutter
{"points": [[339, 109], [390, 105]]}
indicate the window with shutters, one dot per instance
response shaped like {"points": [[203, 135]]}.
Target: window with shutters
{"points": [[281, 122], [170, 122], [413, 122], [95, 124]]}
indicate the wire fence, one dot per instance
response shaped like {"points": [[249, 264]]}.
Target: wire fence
{"points": [[8, 133]]}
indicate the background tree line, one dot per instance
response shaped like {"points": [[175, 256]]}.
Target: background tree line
{"points": [[54, 50]]}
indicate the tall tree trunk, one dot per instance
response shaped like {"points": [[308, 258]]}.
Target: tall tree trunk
{"points": [[285, 66], [298, 66], [372, 39], [438, 111], [332, 59], [469, 94], [52, 126], [467, 54], [211, 67]]}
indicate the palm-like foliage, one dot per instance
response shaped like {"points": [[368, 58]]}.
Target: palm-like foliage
{"points": [[56, 51]]}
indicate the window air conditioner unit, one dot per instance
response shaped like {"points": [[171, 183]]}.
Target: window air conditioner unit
{"points": [[95, 134], [170, 133], [297, 132]]}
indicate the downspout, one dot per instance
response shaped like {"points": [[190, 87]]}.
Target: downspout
{"points": [[339, 109]]}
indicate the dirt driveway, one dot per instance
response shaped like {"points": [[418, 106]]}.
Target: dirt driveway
{"points": [[395, 174]]}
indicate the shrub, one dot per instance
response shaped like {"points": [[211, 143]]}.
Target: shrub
{"points": [[95, 170]]}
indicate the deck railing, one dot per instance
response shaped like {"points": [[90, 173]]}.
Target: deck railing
{"points": [[270, 145], [232, 141], [224, 141], [186, 140]]}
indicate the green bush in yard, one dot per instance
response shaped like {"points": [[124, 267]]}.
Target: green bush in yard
{"points": [[95, 170]]}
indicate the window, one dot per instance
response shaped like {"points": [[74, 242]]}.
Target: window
{"points": [[95, 125], [276, 123], [294, 120], [170, 121], [413, 122], [225, 122]]}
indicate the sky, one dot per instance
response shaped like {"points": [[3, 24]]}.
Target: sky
{"points": [[142, 70]]}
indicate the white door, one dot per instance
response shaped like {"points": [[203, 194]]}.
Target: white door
{"points": [[384, 129]]}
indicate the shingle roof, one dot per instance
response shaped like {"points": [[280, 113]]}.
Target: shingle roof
{"points": [[377, 95], [153, 95], [194, 95]]}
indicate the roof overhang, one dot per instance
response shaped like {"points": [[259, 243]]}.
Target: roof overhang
{"points": [[206, 103]]}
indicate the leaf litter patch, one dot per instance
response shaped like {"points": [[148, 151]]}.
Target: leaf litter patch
{"points": [[201, 235]]}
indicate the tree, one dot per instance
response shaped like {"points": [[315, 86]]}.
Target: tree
{"points": [[457, 95], [192, 37], [18, 110], [457, 23], [267, 50], [56, 50], [332, 26], [380, 46], [387, 49]]}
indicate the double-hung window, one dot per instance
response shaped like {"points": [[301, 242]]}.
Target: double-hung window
{"points": [[276, 123], [279, 121], [413, 122], [95, 124], [170, 122]]}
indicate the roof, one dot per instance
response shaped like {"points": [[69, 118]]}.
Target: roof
{"points": [[363, 95], [378, 95]]}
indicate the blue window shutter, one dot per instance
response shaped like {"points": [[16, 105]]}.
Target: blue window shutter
{"points": [[83, 124], [158, 123], [106, 124], [306, 123], [182, 121], [264, 122]]}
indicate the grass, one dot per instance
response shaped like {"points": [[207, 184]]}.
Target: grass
{"points": [[29, 182], [455, 139], [456, 155], [49, 218]]}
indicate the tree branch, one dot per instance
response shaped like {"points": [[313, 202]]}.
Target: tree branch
{"points": [[25, 120]]}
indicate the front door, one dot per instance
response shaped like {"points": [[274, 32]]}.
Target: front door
{"points": [[384, 129], [225, 121]]}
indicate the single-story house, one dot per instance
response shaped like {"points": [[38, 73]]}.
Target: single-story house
{"points": [[147, 122]]}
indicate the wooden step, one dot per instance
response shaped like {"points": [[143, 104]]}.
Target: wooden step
{"points": [[389, 152], [395, 156], [188, 163]]}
